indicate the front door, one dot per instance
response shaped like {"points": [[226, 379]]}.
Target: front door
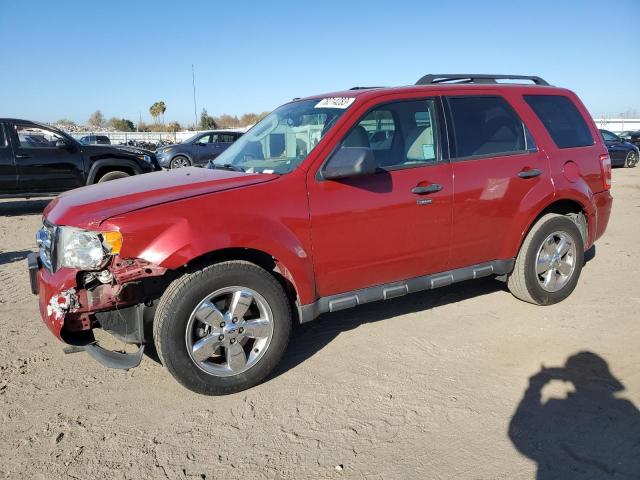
{"points": [[8, 174], [391, 225], [45, 160]]}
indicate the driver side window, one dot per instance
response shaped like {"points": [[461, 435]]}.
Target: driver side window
{"points": [[31, 136], [400, 134], [204, 139]]}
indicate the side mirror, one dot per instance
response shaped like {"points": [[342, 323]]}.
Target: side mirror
{"points": [[60, 143], [350, 162]]}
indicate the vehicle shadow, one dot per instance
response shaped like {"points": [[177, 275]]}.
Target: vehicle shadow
{"points": [[590, 434], [14, 208], [309, 338], [11, 257]]}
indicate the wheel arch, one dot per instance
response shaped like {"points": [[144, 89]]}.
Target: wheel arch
{"points": [[106, 165], [260, 258], [572, 207]]}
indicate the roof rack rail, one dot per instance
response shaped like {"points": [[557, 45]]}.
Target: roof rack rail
{"points": [[434, 79], [363, 88]]}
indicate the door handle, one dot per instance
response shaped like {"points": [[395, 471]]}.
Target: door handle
{"points": [[533, 172], [433, 188], [21, 156]]}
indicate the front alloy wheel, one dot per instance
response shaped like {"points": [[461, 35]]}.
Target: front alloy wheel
{"points": [[632, 159], [229, 331]]}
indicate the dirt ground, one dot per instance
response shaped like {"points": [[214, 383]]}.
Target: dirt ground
{"points": [[425, 386]]}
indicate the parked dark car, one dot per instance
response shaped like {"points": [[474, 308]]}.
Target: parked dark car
{"points": [[631, 137], [622, 153], [95, 140], [37, 159], [197, 150]]}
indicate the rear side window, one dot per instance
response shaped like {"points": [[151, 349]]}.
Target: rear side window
{"points": [[3, 142], [562, 120], [486, 126]]}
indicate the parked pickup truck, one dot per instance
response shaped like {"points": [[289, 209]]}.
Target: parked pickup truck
{"points": [[37, 159], [330, 202]]}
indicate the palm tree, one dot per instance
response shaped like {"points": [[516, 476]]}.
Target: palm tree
{"points": [[157, 109]]}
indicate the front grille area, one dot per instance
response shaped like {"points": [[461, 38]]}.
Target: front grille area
{"points": [[46, 241]]}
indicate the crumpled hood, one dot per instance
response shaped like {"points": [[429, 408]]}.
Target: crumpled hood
{"points": [[87, 207]]}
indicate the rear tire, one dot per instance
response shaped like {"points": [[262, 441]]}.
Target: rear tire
{"points": [[198, 327], [107, 177], [549, 262]]}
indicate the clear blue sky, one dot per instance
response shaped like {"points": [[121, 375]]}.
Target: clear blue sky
{"points": [[69, 58]]}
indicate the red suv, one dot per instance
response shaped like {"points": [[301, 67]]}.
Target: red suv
{"points": [[330, 202]]}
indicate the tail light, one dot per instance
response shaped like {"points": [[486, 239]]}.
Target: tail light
{"points": [[605, 165]]}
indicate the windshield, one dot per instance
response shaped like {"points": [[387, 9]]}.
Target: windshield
{"points": [[282, 140]]}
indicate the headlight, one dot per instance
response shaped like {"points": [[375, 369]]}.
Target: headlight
{"points": [[77, 248], [146, 158]]}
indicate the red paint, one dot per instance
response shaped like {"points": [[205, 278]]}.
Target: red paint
{"points": [[329, 237]]}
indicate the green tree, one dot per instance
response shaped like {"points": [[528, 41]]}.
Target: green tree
{"points": [[207, 122], [122, 124], [158, 109], [96, 119]]}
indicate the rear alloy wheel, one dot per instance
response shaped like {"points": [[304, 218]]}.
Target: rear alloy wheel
{"points": [[549, 262], [180, 162], [632, 159], [224, 328]]}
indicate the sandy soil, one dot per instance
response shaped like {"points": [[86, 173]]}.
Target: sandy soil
{"points": [[420, 387]]}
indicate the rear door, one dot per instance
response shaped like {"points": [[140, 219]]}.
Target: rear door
{"points": [[42, 164], [8, 173], [223, 141], [495, 166]]}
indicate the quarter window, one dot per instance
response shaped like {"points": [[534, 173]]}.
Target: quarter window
{"points": [[562, 120], [400, 134], [487, 126]]}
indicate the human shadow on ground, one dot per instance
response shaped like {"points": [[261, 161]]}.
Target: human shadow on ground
{"points": [[16, 208], [591, 434], [10, 257]]}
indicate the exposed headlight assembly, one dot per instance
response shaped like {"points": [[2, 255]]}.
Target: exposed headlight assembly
{"points": [[76, 248]]}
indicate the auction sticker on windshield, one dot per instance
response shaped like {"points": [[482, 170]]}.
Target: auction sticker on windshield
{"points": [[335, 102]]}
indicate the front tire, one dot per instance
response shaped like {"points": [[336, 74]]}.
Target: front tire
{"points": [[549, 263], [180, 162], [116, 174], [224, 328], [631, 159]]}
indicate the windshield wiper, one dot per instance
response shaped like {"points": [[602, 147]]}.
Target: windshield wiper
{"points": [[225, 166]]}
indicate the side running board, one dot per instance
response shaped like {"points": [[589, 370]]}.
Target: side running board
{"points": [[346, 300]]}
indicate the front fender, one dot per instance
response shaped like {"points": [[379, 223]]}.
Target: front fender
{"points": [[174, 234]]}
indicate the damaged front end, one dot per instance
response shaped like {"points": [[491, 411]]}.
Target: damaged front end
{"points": [[119, 297]]}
